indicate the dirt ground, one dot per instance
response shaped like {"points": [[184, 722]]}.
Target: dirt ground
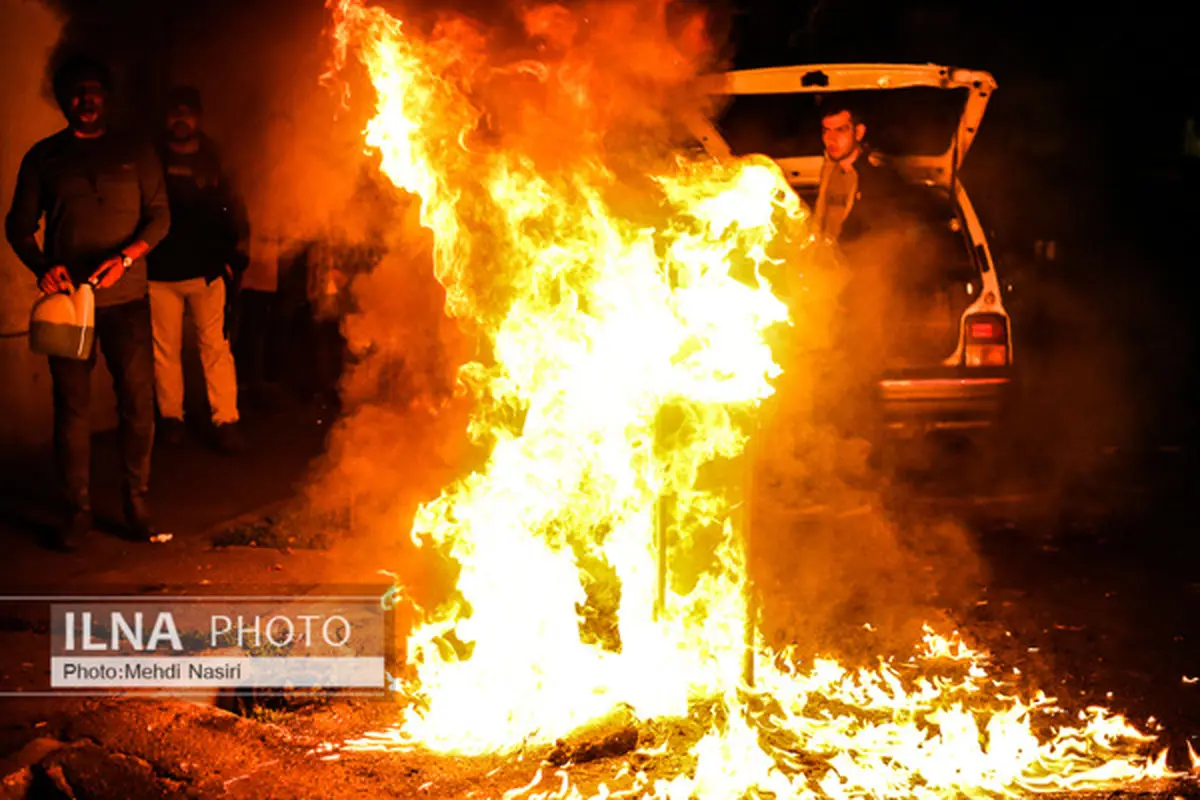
{"points": [[1093, 602]]}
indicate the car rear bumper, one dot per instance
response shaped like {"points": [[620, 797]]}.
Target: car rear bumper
{"points": [[910, 405]]}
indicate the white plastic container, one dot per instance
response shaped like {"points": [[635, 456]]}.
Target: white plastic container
{"points": [[63, 324]]}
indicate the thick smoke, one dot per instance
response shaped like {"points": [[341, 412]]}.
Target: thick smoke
{"points": [[841, 566], [27, 35], [294, 152]]}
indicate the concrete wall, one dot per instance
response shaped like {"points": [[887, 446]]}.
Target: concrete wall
{"points": [[28, 32]]}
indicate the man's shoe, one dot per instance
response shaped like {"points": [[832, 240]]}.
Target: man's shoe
{"points": [[228, 437], [141, 523], [171, 431], [66, 538]]}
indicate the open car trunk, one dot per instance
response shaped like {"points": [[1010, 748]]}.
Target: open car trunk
{"points": [[911, 290], [923, 117]]}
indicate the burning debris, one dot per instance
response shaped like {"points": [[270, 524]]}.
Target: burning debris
{"points": [[615, 735], [624, 295]]}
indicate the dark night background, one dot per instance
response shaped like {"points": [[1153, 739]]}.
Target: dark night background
{"points": [[1085, 143]]}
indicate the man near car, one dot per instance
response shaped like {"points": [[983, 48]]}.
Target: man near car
{"points": [[863, 208], [105, 207], [204, 248]]}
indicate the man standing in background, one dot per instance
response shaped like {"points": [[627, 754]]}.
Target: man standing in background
{"points": [[105, 208], [205, 249]]}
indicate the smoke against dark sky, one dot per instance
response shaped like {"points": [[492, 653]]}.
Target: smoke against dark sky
{"points": [[27, 35], [257, 66]]}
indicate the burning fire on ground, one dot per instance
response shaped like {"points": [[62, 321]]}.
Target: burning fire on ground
{"points": [[622, 292]]}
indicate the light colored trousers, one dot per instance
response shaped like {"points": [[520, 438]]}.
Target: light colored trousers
{"points": [[206, 301]]}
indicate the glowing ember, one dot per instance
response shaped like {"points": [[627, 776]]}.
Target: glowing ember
{"points": [[625, 362]]}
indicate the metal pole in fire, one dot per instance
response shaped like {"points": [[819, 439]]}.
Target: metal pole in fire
{"points": [[662, 519], [670, 429], [662, 522], [747, 526]]}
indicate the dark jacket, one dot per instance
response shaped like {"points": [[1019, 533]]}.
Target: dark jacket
{"points": [[97, 196], [880, 203], [208, 222]]}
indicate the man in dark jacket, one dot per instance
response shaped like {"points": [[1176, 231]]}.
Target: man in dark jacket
{"points": [[204, 248], [878, 220], [866, 208], [105, 207]]}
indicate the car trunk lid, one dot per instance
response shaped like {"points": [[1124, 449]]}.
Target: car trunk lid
{"points": [[923, 117]]}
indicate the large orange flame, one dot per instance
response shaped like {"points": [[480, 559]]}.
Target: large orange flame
{"points": [[623, 362]]}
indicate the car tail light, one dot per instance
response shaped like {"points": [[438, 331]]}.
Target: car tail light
{"points": [[986, 340]]}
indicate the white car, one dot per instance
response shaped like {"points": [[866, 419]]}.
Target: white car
{"points": [[956, 373]]}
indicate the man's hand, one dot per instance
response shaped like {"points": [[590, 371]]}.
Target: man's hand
{"points": [[56, 280], [109, 272]]}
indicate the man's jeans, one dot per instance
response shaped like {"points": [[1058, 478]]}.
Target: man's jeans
{"points": [[124, 334], [207, 303]]}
